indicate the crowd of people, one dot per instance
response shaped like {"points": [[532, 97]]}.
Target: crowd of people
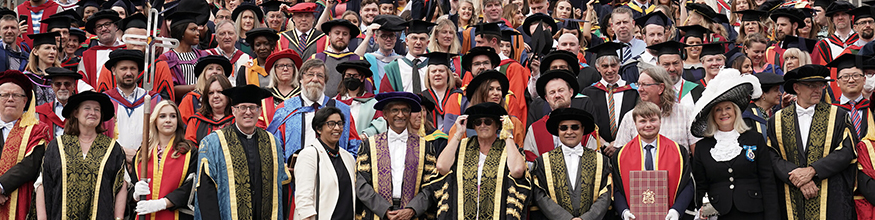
{"points": [[437, 109]]}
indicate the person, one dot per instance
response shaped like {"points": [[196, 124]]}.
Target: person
{"points": [[127, 99], [399, 163], [863, 196], [274, 17], [488, 86], [787, 23], [182, 59], [339, 33], [351, 91], [206, 68], [654, 28], [673, 158], [283, 85], [369, 9], [466, 15], [385, 40], [72, 189], [43, 56], [713, 61], [694, 36], [622, 22], [247, 17], [841, 34], [828, 156], [252, 179], [556, 89], [303, 38], [439, 86], [748, 190], [63, 84], [28, 135], [59, 23], [670, 59], [797, 52], [755, 48], [102, 24], [587, 74], [408, 73], [72, 49], [489, 35], [35, 10], [850, 81], [263, 42], [291, 117], [573, 181], [489, 191], [444, 39], [214, 112], [423, 123], [226, 37], [752, 23], [558, 59], [172, 162], [12, 48], [619, 96], [758, 112]]}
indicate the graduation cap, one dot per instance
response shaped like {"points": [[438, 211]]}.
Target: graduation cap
{"points": [[869, 2], [712, 48], [246, 94], [790, 13], [539, 17], [695, 31], [656, 17], [270, 6], [89, 3], [53, 21], [421, 27], [606, 49], [137, 20], [837, 7], [720, 19], [507, 35], [807, 12], [44, 38], [704, 10], [823, 3], [124, 4], [182, 18], [668, 47], [752, 15], [69, 13], [571, 24], [733, 55], [803, 44], [393, 23], [542, 41], [439, 58], [488, 28], [770, 5], [199, 7], [847, 61], [263, 31], [247, 6], [5, 11], [862, 12], [79, 33]]}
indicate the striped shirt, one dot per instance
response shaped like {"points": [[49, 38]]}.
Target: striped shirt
{"points": [[187, 69]]}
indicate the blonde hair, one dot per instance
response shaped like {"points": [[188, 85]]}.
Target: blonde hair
{"points": [[451, 83], [203, 82], [473, 13], [433, 44], [803, 56], [180, 145], [739, 125], [33, 61], [646, 110], [275, 81]]}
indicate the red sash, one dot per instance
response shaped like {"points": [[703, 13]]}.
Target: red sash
{"points": [[46, 112], [14, 150], [543, 139], [166, 176], [668, 157]]}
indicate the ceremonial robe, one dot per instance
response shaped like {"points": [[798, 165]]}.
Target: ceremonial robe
{"points": [[598, 94], [92, 62], [556, 197], [20, 165], [161, 84], [518, 78], [865, 194], [757, 119], [199, 126], [334, 78], [315, 43], [288, 125], [172, 174], [190, 104], [128, 126], [362, 110], [669, 156]]}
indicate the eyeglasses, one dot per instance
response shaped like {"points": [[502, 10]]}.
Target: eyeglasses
{"points": [[65, 84], [332, 124], [399, 110], [387, 36], [102, 26], [483, 121], [845, 78], [311, 75], [814, 85], [647, 84], [13, 95], [244, 108], [284, 66], [566, 127], [865, 22]]}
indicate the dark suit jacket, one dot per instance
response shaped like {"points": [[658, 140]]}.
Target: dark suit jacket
{"points": [[753, 184], [600, 103], [4, 58]]}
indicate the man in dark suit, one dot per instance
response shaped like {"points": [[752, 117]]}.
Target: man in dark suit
{"points": [[850, 79], [612, 96]]}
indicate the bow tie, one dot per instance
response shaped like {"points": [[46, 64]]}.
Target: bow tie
{"points": [[8, 126], [576, 151], [804, 112], [397, 138]]}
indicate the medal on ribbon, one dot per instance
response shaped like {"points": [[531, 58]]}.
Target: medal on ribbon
{"points": [[749, 152]]}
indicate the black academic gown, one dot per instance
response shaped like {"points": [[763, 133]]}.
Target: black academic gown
{"points": [[694, 75], [602, 118], [588, 76], [554, 199]]}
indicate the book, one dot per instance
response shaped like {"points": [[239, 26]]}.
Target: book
{"points": [[649, 194]]}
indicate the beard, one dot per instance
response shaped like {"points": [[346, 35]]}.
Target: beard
{"points": [[674, 78], [313, 90], [867, 34], [339, 45], [62, 95]]}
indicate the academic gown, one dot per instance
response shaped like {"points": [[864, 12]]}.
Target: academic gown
{"points": [[172, 177], [863, 108], [92, 62], [20, 164], [829, 152], [694, 74], [162, 83], [174, 63], [331, 61], [669, 156], [588, 76], [190, 104], [316, 42], [518, 79], [374, 175], [289, 126], [864, 197], [71, 63], [757, 119], [440, 102], [392, 81], [539, 107], [598, 94], [239, 172], [82, 188], [128, 121], [555, 197], [199, 126], [46, 114], [828, 49]]}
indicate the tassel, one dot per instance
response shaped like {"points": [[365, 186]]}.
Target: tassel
{"points": [[29, 117]]}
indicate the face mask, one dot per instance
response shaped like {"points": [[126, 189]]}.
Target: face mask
{"points": [[352, 83], [870, 84]]}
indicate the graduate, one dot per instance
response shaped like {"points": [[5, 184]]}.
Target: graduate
{"points": [[409, 73], [127, 99], [669, 58], [303, 37], [63, 84], [612, 96]]}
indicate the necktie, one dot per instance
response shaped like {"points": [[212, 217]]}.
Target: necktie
{"points": [[611, 110], [855, 117], [302, 43], [417, 85], [627, 53], [315, 106], [648, 159]]}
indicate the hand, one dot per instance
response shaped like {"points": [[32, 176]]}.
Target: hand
{"points": [[461, 121], [800, 176], [22, 26], [528, 48], [627, 215], [331, 3], [536, 67], [609, 151], [672, 215], [403, 214], [578, 13], [371, 29], [3, 199], [150, 206], [787, 99], [141, 189], [458, 79], [363, 137], [809, 190]]}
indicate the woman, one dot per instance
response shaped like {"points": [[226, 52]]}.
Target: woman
{"points": [[283, 84], [758, 112], [731, 157], [809, 25], [263, 41], [182, 59], [755, 47], [735, 18], [443, 39], [700, 14], [43, 56], [513, 14], [226, 36], [564, 10], [215, 111], [352, 92], [439, 86], [352, 17], [742, 63], [488, 86], [333, 193], [422, 122], [170, 161], [794, 58], [466, 15], [750, 24], [246, 17], [693, 35], [70, 185], [713, 61], [206, 68]]}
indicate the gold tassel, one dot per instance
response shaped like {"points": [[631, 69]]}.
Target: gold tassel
{"points": [[29, 116], [422, 126]]}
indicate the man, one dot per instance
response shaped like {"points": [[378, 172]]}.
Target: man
{"points": [[128, 98], [369, 10], [787, 20], [588, 74], [653, 26], [816, 172], [623, 24], [669, 58], [557, 88], [16, 55], [864, 26], [36, 10], [850, 79], [251, 187], [303, 38], [828, 49], [385, 38], [163, 80], [292, 119], [64, 84], [24, 160], [409, 73], [59, 23], [538, 6], [102, 24], [612, 96], [393, 166], [558, 59], [339, 33], [573, 182]]}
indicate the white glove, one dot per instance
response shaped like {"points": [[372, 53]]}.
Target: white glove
{"points": [[150, 206], [627, 215], [672, 215], [141, 189]]}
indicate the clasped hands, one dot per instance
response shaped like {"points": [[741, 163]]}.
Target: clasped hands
{"points": [[801, 178]]}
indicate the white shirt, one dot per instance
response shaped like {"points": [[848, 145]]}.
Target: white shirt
{"points": [[397, 156], [675, 127], [58, 108], [298, 33], [805, 115], [572, 162], [354, 108], [687, 99], [648, 58], [129, 121], [407, 73], [309, 133], [618, 99], [7, 130]]}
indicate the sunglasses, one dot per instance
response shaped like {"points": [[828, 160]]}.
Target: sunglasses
{"points": [[565, 127], [484, 121]]}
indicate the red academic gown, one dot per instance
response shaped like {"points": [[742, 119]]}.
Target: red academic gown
{"points": [[46, 114], [669, 156], [89, 63], [49, 8], [168, 178], [22, 140], [163, 82]]}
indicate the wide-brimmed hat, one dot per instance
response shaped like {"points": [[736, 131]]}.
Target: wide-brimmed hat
{"points": [[527, 24], [485, 76], [102, 14], [407, 97], [767, 81], [728, 85], [248, 6], [125, 54], [362, 66], [53, 72], [426, 103], [587, 123], [838, 6], [287, 53], [795, 15], [212, 59], [263, 31], [805, 73], [15, 76], [566, 75], [569, 58], [484, 110], [353, 30], [477, 51], [107, 111]]}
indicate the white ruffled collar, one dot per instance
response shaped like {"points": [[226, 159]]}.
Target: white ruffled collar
{"points": [[727, 146]]}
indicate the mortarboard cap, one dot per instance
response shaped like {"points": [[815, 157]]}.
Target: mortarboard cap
{"points": [[387, 2], [507, 35], [439, 58], [656, 17], [419, 27], [712, 48], [182, 18], [606, 49], [44, 38], [571, 24], [847, 61], [246, 94], [488, 28], [137, 20], [269, 6], [89, 3], [862, 12], [531, 19], [803, 44], [752, 15], [57, 22], [668, 47], [770, 5], [393, 23], [695, 31]]}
